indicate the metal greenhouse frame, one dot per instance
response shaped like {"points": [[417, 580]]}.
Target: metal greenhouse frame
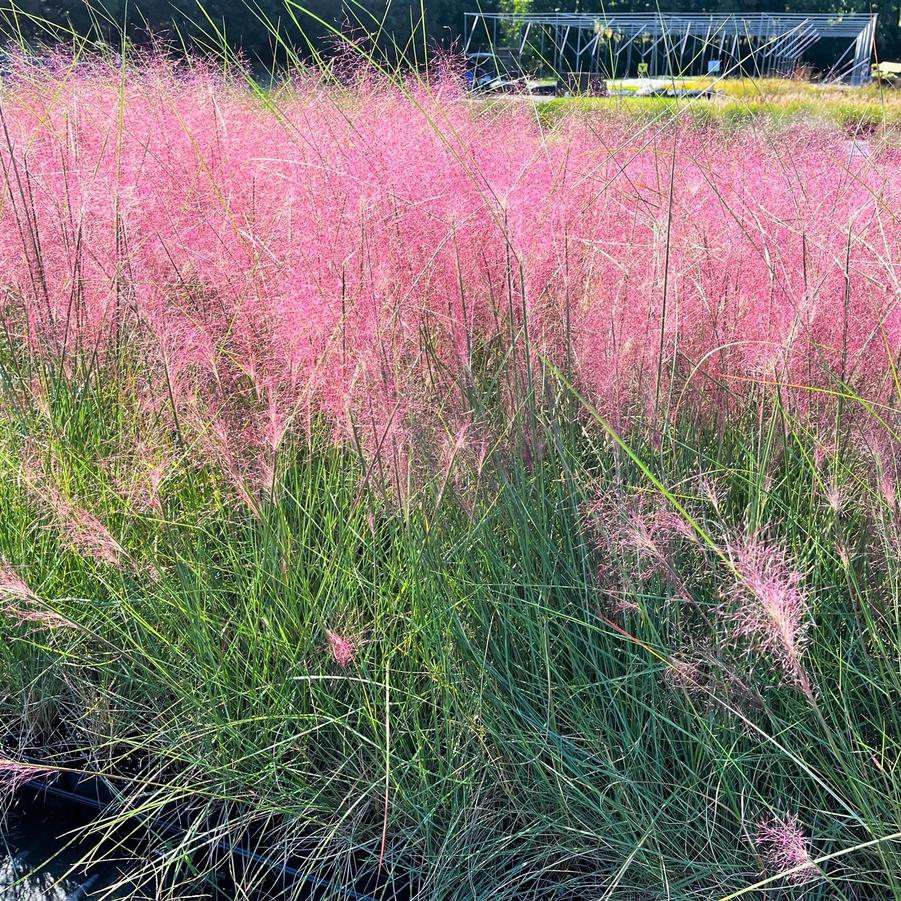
{"points": [[764, 44]]}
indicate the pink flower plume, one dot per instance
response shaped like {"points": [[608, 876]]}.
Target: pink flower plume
{"points": [[350, 279], [767, 603], [12, 586], [784, 846], [14, 774], [23, 605], [342, 649]]}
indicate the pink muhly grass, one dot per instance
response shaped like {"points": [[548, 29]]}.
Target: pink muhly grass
{"points": [[784, 846], [888, 490], [11, 585], [711, 491], [14, 774], [618, 603], [843, 553], [638, 526], [767, 604], [835, 498], [342, 649], [684, 675], [650, 531], [142, 475], [87, 535], [653, 531], [24, 605], [46, 619], [821, 453], [352, 278], [79, 528]]}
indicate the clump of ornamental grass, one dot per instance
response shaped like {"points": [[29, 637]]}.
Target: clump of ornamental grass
{"points": [[268, 283], [390, 340]]}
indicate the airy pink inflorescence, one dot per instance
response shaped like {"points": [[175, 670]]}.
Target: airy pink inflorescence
{"points": [[14, 774], [12, 585], [80, 529], [342, 257], [342, 649], [20, 603], [784, 846], [767, 603]]}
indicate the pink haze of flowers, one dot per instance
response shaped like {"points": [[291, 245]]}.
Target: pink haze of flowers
{"points": [[14, 774], [784, 846], [12, 585], [768, 604], [20, 603], [315, 257], [342, 649]]}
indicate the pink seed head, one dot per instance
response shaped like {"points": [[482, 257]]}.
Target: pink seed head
{"points": [[618, 604], [843, 554], [821, 452], [888, 490], [24, 605], [14, 774], [711, 492], [89, 536], [835, 498], [684, 675], [81, 530], [653, 532], [12, 586], [47, 619], [784, 846], [767, 603], [342, 649]]}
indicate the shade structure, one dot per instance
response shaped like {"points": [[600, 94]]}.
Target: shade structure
{"points": [[615, 44]]}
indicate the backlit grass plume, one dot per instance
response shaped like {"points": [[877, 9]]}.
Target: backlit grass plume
{"points": [[768, 605], [785, 847]]}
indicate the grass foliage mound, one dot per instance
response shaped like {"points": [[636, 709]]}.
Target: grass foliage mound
{"points": [[452, 501]]}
